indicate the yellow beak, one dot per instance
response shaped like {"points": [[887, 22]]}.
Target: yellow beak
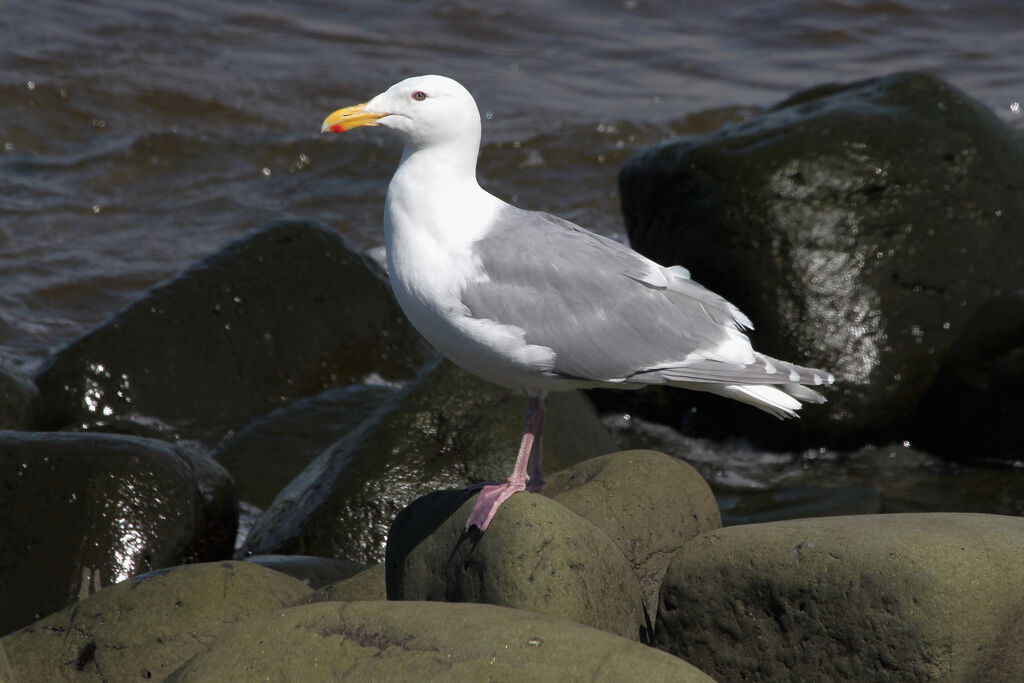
{"points": [[350, 117]]}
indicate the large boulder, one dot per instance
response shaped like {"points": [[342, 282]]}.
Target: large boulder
{"points": [[648, 503], [977, 390], [19, 401], [535, 555], [425, 641], [144, 627], [81, 511], [903, 597], [446, 429], [859, 226], [285, 311]]}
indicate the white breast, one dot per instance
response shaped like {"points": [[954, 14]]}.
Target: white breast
{"points": [[431, 262]]}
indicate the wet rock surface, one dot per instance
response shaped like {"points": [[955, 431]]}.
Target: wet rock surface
{"points": [[145, 627], [979, 384], [87, 510], [266, 454], [908, 597], [837, 221], [446, 429], [285, 311], [426, 641], [19, 401]]}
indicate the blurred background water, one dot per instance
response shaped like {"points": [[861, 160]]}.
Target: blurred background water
{"points": [[137, 137]]}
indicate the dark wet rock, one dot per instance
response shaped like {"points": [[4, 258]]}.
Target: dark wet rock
{"points": [[754, 507], [974, 408], [906, 597], [218, 506], [446, 429], [425, 641], [366, 585], [285, 311], [19, 401], [837, 222], [144, 627], [536, 555], [81, 511], [315, 572], [648, 503], [269, 452]]}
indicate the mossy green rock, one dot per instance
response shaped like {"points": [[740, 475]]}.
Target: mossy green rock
{"points": [[425, 641], [903, 597], [648, 503], [536, 555], [368, 584], [145, 627]]}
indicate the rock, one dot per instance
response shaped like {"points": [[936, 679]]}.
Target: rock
{"points": [[836, 222], [446, 429], [285, 311], [218, 506], [648, 503], [366, 585], [146, 626], [973, 409], [907, 597], [81, 511], [535, 555], [272, 450], [19, 401], [315, 572], [425, 641]]}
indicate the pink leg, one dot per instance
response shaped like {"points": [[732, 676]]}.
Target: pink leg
{"points": [[492, 496], [535, 480]]}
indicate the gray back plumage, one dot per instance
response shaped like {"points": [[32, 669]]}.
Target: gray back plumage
{"points": [[608, 313]]}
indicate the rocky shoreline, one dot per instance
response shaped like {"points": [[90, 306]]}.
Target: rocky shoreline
{"points": [[868, 228]]}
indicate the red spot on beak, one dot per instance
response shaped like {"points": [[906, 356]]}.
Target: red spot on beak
{"points": [[337, 128]]}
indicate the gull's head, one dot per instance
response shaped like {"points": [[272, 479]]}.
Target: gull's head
{"points": [[424, 110]]}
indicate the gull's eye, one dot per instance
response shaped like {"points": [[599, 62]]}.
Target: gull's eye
{"points": [[419, 95]]}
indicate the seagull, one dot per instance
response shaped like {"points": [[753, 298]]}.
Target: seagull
{"points": [[534, 303]]}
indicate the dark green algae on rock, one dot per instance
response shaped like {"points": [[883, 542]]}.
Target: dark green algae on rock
{"points": [[648, 503], [425, 641], [859, 226], [145, 627], [536, 555], [899, 597]]}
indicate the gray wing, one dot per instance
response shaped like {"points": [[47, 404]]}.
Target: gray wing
{"points": [[608, 313]]}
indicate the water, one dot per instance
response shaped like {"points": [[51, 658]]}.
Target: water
{"points": [[137, 137]]}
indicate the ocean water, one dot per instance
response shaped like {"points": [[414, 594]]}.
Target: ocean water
{"points": [[137, 137]]}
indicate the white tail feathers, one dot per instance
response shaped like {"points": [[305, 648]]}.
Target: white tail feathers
{"points": [[782, 400]]}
